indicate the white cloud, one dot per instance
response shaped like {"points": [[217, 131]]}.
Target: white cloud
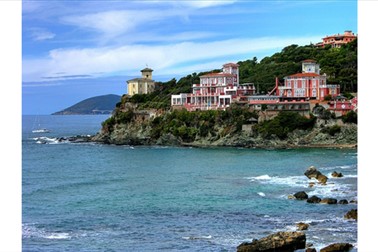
{"points": [[164, 59], [39, 34], [205, 3], [115, 23]]}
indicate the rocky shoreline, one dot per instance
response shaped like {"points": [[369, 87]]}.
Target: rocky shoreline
{"points": [[294, 240]]}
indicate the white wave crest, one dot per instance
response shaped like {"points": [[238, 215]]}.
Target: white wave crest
{"points": [[261, 194]]}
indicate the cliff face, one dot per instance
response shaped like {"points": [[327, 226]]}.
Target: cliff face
{"points": [[141, 129]]}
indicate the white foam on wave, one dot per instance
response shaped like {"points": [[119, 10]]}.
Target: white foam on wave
{"points": [[29, 231], [293, 181], [261, 194], [197, 237], [58, 236]]}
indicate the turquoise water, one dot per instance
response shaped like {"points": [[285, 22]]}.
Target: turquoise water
{"points": [[92, 197]]}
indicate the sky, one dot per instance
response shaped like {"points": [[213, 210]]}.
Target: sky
{"points": [[74, 50]]}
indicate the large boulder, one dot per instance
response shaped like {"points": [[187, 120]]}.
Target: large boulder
{"points": [[352, 214], [312, 172], [337, 247], [281, 241], [314, 199], [301, 195]]}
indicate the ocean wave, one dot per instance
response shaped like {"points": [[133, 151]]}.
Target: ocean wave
{"points": [[294, 181], [31, 231], [197, 237]]}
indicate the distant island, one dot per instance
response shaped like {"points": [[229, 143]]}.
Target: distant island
{"points": [[103, 104]]}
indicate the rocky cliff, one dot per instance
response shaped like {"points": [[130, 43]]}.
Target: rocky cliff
{"points": [[129, 126]]}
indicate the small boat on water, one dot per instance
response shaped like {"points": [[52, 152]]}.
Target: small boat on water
{"points": [[44, 130]]}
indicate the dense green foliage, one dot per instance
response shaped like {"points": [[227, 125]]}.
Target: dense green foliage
{"points": [[188, 125], [350, 117], [284, 123], [103, 103], [339, 64], [332, 130]]}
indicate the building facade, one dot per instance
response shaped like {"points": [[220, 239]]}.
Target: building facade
{"points": [[143, 85], [338, 39], [215, 91], [307, 85]]}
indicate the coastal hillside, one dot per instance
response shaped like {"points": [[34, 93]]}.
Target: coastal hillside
{"points": [[235, 127], [103, 104], [339, 64]]}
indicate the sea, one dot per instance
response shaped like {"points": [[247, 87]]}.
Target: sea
{"points": [[96, 197]]}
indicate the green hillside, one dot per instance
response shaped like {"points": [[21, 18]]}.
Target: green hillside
{"points": [[103, 104]]}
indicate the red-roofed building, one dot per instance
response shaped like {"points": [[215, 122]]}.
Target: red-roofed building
{"points": [[309, 84], [338, 39], [215, 90]]}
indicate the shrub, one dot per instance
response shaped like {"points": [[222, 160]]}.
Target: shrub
{"points": [[350, 117], [331, 130]]}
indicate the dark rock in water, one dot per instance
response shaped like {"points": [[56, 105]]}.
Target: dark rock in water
{"points": [[312, 172], [310, 250], [328, 201], [301, 195], [322, 179], [343, 202], [336, 174], [302, 226], [281, 241], [353, 201], [314, 199], [352, 214], [337, 247]]}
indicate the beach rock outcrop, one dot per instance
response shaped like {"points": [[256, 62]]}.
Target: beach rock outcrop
{"points": [[302, 226], [352, 214], [301, 195], [336, 174], [328, 201], [337, 247], [281, 241], [312, 172], [314, 199]]}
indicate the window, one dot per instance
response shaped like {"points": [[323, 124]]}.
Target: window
{"points": [[313, 92]]}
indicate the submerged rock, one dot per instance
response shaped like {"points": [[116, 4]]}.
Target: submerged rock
{"points": [[302, 226], [328, 201], [352, 214], [337, 247], [336, 174], [343, 202], [281, 241]]}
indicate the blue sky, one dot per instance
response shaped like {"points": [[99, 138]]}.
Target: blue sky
{"points": [[73, 50]]}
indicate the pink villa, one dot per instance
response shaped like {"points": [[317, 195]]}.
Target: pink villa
{"points": [[215, 91], [307, 85]]}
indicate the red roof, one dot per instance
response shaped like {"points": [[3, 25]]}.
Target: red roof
{"points": [[304, 75], [231, 64], [217, 74], [309, 60]]}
